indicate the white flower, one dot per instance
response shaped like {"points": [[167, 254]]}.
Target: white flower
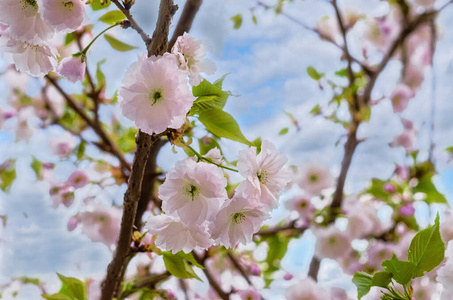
{"points": [[306, 289], [314, 178], [63, 15], [331, 242], [73, 68], [191, 53], [35, 60], [155, 94], [174, 235], [236, 222], [24, 20], [266, 174], [193, 191]]}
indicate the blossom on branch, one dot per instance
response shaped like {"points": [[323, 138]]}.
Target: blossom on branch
{"points": [[155, 94], [193, 191], [63, 15], [73, 68]]}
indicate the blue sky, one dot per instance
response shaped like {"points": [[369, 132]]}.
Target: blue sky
{"points": [[267, 63]]}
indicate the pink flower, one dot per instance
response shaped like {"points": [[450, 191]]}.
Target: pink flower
{"points": [[191, 53], [62, 145], [174, 235], [380, 251], [407, 210], [303, 206], [288, 276], [73, 68], [446, 226], [407, 138], [101, 224], [389, 188], [72, 223], [266, 174], [236, 222], [328, 29], [402, 172], [64, 16], [34, 59], [24, 20], [401, 96], [306, 289], [314, 178], [159, 97], [78, 179], [331, 242], [193, 191], [61, 193], [249, 294]]}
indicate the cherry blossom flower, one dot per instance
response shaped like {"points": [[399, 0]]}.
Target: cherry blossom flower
{"points": [[407, 138], [400, 97], [193, 191], [101, 224], [266, 174], [155, 94], [174, 235], [63, 16], [249, 294], [24, 20], [72, 223], [61, 193], [62, 145], [33, 59], [407, 210], [314, 178], [445, 272], [236, 222], [215, 155], [306, 289], [331, 242], [446, 226], [191, 53], [78, 179], [73, 68], [303, 206], [328, 29], [380, 251]]}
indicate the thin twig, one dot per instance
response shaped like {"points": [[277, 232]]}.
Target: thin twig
{"points": [[133, 23]]}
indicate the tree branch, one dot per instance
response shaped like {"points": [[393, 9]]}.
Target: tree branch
{"points": [[144, 143], [110, 146], [185, 21], [133, 23]]}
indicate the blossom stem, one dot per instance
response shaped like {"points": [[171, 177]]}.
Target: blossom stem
{"points": [[208, 160], [84, 51]]}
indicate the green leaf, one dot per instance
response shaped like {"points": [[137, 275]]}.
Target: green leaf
{"points": [[57, 296], [81, 150], [402, 271], [100, 4], [208, 96], [178, 267], [278, 246], [316, 110], [313, 73], [126, 139], [69, 38], [7, 176], [237, 21], [118, 45], [100, 77], [222, 124], [362, 281], [112, 17], [427, 249], [189, 257], [377, 189], [426, 186], [381, 279], [254, 20], [342, 72], [36, 165], [283, 131], [74, 287]]}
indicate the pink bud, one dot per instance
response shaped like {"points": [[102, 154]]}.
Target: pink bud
{"points": [[255, 270], [72, 223], [407, 210], [389, 188], [288, 276]]}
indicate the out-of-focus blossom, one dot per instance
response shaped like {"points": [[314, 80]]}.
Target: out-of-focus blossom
{"points": [[62, 145], [380, 251], [306, 289], [407, 138], [407, 210], [249, 294], [101, 224], [401, 96], [191, 54], [446, 226], [78, 179], [331, 242], [303, 206], [314, 178]]}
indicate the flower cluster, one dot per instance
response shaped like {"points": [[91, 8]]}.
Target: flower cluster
{"points": [[27, 26], [198, 212]]}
